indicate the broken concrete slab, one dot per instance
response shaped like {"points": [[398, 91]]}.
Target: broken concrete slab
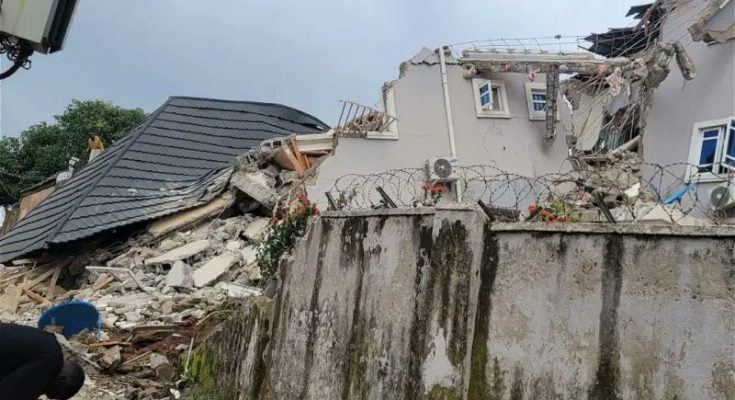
{"points": [[256, 185], [180, 253], [179, 275], [236, 291], [214, 268], [257, 229], [11, 298], [134, 317], [176, 221], [109, 358], [169, 244], [132, 300], [249, 255], [233, 245]]}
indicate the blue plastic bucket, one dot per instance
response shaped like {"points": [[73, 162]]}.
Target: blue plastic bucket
{"points": [[75, 316]]}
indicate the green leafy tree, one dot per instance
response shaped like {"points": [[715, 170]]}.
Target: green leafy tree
{"points": [[44, 149]]}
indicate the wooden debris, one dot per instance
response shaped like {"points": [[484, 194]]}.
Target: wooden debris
{"points": [[110, 343], [33, 295], [39, 279], [286, 159], [300, 157], [52, 283], [137, 358], [16, 276]]}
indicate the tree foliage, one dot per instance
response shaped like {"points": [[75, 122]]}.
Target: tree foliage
{"points": [[45, 149]]}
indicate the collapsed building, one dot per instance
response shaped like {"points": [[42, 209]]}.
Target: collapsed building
{"points": [[159, 232]]}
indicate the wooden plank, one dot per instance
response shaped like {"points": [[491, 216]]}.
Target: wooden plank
{"points": [[52, 283], [300, 157], [16, 276], [33, 295], [39, 279], [110, 343], [286, 159]]}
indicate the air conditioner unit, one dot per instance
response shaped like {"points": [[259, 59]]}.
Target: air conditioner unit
{"points": [[442, 169], [722, 197]]}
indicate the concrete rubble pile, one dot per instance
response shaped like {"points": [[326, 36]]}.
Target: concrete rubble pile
{"points": [[167, 290], [612, 188]]}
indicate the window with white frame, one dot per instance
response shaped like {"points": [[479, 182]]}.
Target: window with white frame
{"points": [[712, 150], [491, 99], [536, 98]]}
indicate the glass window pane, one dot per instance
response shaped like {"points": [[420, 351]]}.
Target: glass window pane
{"points": [[484, 88], [730, 161], [485, 99], [538, 97], [711, 133], [707, 155]]}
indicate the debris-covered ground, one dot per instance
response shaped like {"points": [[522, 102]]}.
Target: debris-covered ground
{"points": [[162, 293]]}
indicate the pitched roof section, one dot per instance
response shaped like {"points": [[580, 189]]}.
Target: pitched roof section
{"points": [[180, 157]]}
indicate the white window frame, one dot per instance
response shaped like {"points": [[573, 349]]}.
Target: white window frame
{"points": [[504, 111], [530, 88], [389, 107], [720, 168]]}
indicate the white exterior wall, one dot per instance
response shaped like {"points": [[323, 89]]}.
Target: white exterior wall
{"points": [[513, 144], [679, 104]]}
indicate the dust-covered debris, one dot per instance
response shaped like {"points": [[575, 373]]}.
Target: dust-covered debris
{"points": [[163, 291]]}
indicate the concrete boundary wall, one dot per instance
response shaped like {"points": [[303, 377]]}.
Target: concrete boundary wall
{"points": [[439, 304]]}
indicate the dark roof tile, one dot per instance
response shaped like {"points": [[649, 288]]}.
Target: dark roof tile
{"points": [[178, 158]]}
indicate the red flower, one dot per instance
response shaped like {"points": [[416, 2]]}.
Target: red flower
{"points": [[303, 199], [532, 209], [437, 189], [426, 186]]}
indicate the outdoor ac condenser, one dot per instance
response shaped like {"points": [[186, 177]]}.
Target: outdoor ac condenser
{"points": [[442, 169], [722, 197]]}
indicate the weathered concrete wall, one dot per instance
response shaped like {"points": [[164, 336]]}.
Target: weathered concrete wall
{"points": [[438, 304], [612, 315], [376, 308]]}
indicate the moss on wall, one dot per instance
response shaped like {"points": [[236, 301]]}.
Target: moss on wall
{"points": [[439, 392]]}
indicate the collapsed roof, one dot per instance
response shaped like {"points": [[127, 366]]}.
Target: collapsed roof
{"points": [[180, 157], [625, 42]]}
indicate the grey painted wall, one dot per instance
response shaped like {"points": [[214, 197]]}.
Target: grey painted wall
{"points": [[514, 144], [678, 104], [436, 304]]}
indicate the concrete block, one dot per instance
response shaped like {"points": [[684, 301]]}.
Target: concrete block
{"points": [[257, 229], [132, 300], [233, 245], [133, 316], [180, 253], [249, 255], [236, 291], [110, 358], [10, 299], [168, 244], [257, 186], [180, 275], [214, 268]]}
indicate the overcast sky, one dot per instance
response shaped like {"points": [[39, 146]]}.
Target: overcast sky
{"points": [[305, 54]]}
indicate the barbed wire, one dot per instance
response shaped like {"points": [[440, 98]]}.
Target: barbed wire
{"points": [[627, 190]]}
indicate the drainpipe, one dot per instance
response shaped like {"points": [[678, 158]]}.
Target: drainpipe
{"points": [[448, 110], [447, 103]]}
